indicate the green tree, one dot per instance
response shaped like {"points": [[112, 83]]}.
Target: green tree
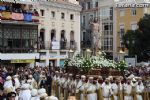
{"points": [[138, 41]]}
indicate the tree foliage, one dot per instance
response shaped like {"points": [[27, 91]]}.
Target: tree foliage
{"points": [[141, 38]]}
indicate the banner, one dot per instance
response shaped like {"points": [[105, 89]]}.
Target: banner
{"points": [[6, 15], [23, 61], [27, 17], [55, 45], [17, 16]]}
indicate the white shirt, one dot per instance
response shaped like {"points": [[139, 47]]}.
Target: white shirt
{"points": [[25, 95]]}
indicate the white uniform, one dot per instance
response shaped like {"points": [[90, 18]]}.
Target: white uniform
{"points": [[139, 90], [25, 95], [106, 91], [35, 98], [128, 91], [115, 89], [8, 84], [82, 88], [91, 88], [17, 83], [70, 84], [98, 85], [77, 86], [34, 83]]}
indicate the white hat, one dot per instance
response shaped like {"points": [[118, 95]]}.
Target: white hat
{"points": [[15, 76], [91, 78], [52, 98], [70, 74], [8, 78], [34, 92], [30, 76], [29, 81], [25, 86], [41, 91], [43, 95], [107, 78], [110, 77], [83, 76], [56, 71], [131, 76], [134, 79], [99, 76]]}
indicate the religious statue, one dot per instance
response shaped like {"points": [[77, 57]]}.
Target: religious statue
{"points": [[95, 31]]}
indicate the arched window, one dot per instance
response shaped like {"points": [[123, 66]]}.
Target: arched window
{"points": [[72, 36], [53, 35], [42, 34], [63, 34], [63, 40], [42, 38]]}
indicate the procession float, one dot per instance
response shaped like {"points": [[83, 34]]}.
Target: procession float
{"points": [[94, 65]]}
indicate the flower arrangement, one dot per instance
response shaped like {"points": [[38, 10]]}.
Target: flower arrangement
{"points": [[122, 66], [85, 64]]}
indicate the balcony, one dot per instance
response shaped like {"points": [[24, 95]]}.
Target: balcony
{"points": [[11, 12], [57, 45]]}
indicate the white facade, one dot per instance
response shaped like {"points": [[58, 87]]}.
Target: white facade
{"points": [[57, 18], [107, 23]]}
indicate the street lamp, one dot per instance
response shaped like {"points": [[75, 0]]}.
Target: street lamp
{"points": [[88, 51], [71, 53], [121, 54]]}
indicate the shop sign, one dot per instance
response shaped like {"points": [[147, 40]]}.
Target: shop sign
{"points": [[23, 61], [55, 45]]}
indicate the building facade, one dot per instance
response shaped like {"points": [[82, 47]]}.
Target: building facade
{"points": [[106, 13], [59, 30], [127, 19], [18, 34], [88, 13]]}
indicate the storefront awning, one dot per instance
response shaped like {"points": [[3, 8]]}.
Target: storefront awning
{"points": [[19, 22], [18, 56]]}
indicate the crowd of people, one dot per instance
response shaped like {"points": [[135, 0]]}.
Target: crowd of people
{"points": [[53, 84]]}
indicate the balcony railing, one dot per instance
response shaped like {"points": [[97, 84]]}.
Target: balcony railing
{"points": [[57, 45]]}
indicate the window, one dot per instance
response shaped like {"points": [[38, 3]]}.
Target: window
{"points": [[133, 11], [62, 15], [122, 32], [121, 12], [96, 4], [71, 16], [83, 20], [83, 6], [88, 5], [42, 12], [53, 14], [91, 16], [133, 26]]}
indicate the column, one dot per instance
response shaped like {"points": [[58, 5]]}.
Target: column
{"points": [[58, 60], [47, 58], [114, 33]]}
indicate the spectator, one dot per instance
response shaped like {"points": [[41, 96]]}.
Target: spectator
{"points": [[11, 96]]}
